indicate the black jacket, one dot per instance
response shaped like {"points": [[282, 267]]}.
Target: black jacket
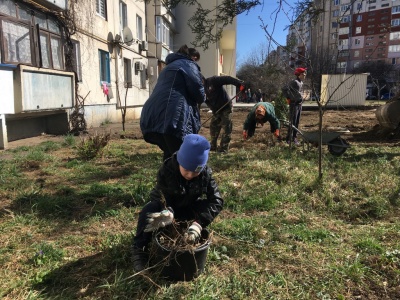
{"points": [[198, 199], [216, 96]]}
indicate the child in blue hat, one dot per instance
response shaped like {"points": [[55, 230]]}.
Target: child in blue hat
{"points": [[185, 191]]}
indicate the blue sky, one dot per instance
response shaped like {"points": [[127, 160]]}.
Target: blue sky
{"points": [[249, 33]]}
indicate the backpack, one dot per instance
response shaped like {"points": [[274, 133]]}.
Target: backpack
{"points": [[286, 91]]}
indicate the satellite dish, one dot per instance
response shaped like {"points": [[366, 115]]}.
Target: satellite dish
{"points": [[110, 42], [128, 37], [117, 38]]}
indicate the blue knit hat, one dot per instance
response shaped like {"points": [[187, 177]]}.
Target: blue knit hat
{"points": [[193, 153]]}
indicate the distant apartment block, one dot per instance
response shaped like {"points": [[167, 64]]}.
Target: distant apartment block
{"points": [[348, 33]]}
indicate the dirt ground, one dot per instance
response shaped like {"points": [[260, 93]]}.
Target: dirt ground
{"points": [[359, 126]]}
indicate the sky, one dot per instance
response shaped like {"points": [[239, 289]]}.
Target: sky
{"points": [[251, 36]]}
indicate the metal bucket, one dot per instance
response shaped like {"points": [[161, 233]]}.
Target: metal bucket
{"points": [[388, 115], [182, 265]]}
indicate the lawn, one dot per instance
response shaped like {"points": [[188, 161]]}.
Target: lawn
{"points": [[67, 223]]}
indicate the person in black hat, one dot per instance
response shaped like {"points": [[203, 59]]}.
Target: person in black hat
{"points": [[185, 191]]}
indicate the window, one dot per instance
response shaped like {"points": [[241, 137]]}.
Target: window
{"points": [[344, 30], [16, 42], [139, 28], [123, 18], [356, 64], [357, 41], [368, 50], [334, 25], [356, 53], [395, 22], [346, 19], [396, 9], [381, 49], [385, 5], [394, 48], [127, 73], [370, 38], [334, 36], [344, 53], [394, 36], [104, 62], [336, 2], [335, 13], [372, 7], [359, 18], [358, 30], [372, 1], [343, 42], [345, 7], [30, 37], [371, 19], [163, 32], [393, 61], [101, 8], [369, 44], [342, 65], [359, 6]]}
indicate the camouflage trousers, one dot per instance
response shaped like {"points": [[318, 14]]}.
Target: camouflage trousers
{"points": [[221, 121]]}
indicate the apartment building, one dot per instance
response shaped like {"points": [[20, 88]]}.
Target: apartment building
{"points": [[76, 64], [348, 33]]}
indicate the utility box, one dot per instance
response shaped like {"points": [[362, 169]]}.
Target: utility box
{"points": [[343, 89]]}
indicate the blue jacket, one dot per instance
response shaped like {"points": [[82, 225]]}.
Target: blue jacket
{"points": [[172, 107]]}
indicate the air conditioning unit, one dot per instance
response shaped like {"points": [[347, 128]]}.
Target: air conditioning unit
{"points": [[144, 46], [139, 66]]}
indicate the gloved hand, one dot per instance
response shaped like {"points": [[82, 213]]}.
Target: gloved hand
{"points": [[242, 87], [158, 219], [245, 134], [194, 233], [276, 133]]}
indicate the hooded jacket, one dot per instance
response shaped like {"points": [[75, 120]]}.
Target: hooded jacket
{"points": [[172, 107]]}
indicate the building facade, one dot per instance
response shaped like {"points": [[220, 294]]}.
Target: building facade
{"points": [[71, 65], [348, 33]]}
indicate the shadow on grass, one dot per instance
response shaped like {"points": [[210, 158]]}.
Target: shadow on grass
{"points": [[104, 275]]}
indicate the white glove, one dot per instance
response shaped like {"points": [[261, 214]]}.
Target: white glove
{"points": [[158, 219], [194, 232]]}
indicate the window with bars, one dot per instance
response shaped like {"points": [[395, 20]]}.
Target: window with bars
{"points": [[101, 8]]}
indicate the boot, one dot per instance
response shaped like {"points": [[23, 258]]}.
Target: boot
{"points": [[140, 259]]}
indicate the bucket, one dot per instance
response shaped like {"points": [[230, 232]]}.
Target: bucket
{"points": [[182, 265]]}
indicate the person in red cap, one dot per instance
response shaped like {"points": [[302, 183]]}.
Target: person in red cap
{"points": [[295, 102]]}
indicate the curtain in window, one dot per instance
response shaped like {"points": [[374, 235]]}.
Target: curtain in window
{"points": [[17, 43], [56, 53]]}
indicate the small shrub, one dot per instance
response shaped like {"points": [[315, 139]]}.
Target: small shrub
{"points": [[91, 146]]}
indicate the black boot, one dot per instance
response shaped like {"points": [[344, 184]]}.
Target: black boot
{"points": [[140, 258]]}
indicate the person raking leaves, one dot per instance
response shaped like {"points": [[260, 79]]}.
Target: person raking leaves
{"points": [[260, 113], [185, 191]]}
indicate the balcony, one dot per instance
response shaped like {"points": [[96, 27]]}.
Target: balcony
{"points": [[33, 101]]}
